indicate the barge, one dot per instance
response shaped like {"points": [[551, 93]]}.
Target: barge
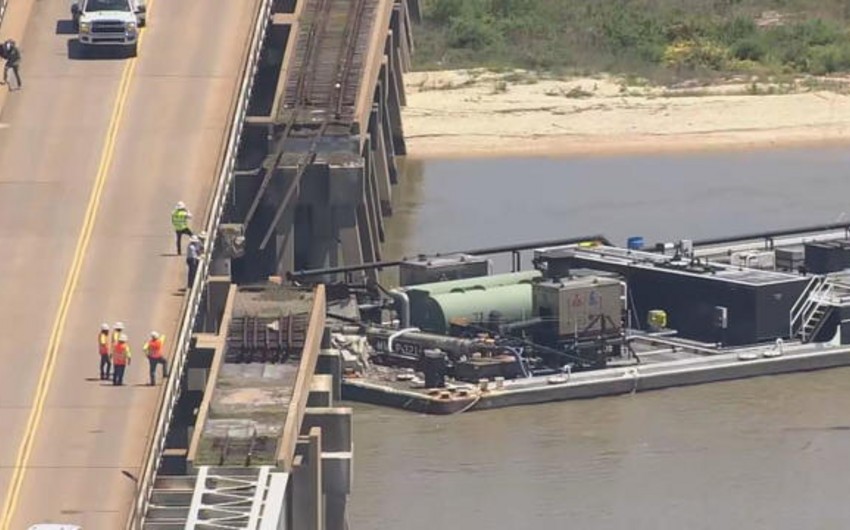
{"points": [[588, 318]]}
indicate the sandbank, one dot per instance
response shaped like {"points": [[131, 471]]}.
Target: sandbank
{"points": [[474, 113]]}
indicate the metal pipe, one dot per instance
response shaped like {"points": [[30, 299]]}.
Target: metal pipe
{"points": [[770, 234], [522, 324], [452, 345], [294, 275], [403, 306]]}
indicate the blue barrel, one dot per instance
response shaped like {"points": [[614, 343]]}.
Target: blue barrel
{"points": [[634, 243]]}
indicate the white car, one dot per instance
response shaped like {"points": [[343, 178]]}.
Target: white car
{"points": [[109, 22]]}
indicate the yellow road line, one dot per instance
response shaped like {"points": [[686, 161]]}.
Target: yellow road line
{"points": [[46, 376]]}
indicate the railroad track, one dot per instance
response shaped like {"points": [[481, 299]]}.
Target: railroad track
{"points": [[324, 92], [266, 339], [330, 54]]}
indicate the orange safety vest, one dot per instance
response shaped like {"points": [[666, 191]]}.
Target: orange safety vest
{"points": [[120, 354], [103, 343], [115, 336], [154, 348]]}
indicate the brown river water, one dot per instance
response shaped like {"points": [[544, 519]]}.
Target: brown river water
{"points": [[764, 453]]}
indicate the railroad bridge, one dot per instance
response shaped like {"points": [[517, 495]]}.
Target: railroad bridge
{"points": [[255, 439], [278, 122], [317, 161]]}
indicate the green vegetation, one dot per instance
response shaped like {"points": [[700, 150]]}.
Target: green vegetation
{"points": [[654, 38]]}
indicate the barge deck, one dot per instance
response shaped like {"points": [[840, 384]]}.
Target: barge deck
{"points": [[739, 307], [659, 370]]}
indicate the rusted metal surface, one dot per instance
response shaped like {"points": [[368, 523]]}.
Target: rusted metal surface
{"points": [[320, 100], [265, 339], [330, 52]]}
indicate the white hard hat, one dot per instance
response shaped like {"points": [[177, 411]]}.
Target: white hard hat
{"points": [[119, 325], [180, 205], [104, 327], [122, 338], [203, 234], [194, 239], [154, 334]]}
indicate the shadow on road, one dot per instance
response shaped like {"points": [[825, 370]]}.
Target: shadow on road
{"points": [[80, 52], [65, 27]]}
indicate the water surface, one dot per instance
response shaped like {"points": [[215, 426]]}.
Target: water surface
{"points": [[769, 453]]}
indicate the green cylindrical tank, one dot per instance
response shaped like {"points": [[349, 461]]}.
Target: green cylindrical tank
{"points": [[471, 295], [478, 283], [511, 302]]}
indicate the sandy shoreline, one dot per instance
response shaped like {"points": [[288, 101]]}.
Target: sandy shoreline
{"points": [[475, 113]]}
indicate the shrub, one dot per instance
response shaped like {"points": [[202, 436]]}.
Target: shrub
{"points": [[442, 11], [749, 49], [637, 36], [829, 59], [472, 32], [736, 30], [696, 55]]}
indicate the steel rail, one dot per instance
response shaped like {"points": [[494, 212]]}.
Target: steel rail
{"points": [[342, 73], [308, 70], [314, 34], [355, 17], [168, 399]]}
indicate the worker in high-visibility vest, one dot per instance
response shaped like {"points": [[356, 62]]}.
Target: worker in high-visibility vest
{"points": [[153, 350], [193, 259], [121, 357], [117, 330], [180, 221], [103, 345]]}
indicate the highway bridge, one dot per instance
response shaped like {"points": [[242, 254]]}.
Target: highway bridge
{"points": [[266, 117]]}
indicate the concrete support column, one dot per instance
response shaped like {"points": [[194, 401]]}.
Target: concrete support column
{"points": [[284, 238], [379, 156], [346, 226], [398, 32], [218, 289], [335, 424], [321, 391], [367, 242], [383, 115], [365, 220], [323, 242], [395, 99], [330, 363], [307, 497], [373, 203], [336, 515], [414, 10]]}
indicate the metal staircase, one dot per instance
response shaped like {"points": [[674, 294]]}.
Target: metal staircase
{"points": [[219, 498], [812, 309]]}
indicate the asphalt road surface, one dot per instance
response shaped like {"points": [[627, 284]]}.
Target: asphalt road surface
{"points": [[96, 152]]}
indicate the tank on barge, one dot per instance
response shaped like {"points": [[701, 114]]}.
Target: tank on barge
{"points": [[592, 319]]}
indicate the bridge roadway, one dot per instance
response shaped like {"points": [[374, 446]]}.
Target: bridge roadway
{"points": [[67, 438]]}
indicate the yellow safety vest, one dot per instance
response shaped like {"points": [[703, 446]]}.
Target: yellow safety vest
{"points": [[180, 220]]}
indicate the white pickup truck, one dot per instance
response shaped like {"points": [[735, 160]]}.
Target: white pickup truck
{"points": [[109, 22]]}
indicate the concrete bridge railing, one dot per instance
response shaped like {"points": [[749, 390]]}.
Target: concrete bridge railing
{"points": [[192, 302]]}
